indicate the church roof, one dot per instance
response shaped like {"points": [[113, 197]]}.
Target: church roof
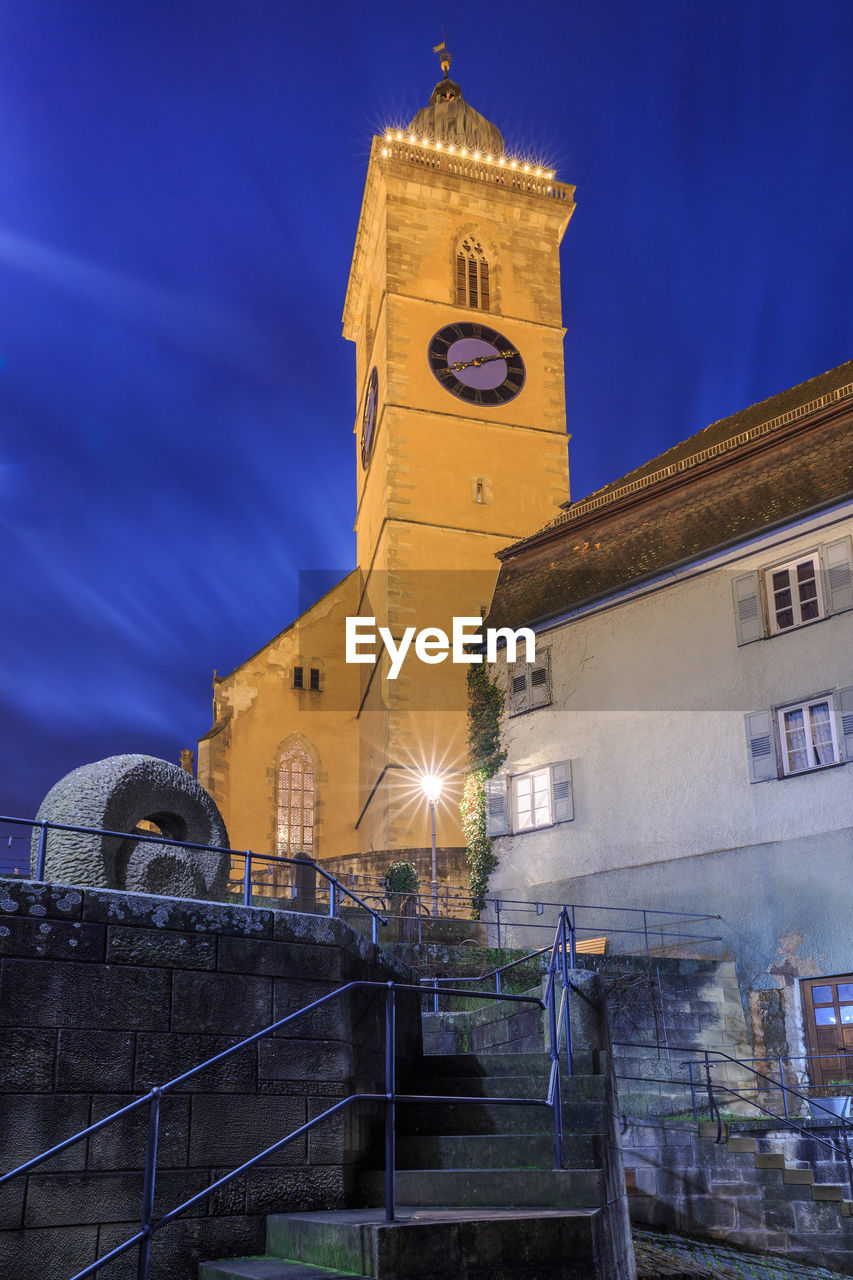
{"points": [[755, 470], [450, 119]]}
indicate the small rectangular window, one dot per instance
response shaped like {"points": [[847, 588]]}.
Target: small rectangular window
{"points": [[297, 678], [808, 737], [480, 495], [314, 678], [531, 800], [793, 594], [484, 286]]}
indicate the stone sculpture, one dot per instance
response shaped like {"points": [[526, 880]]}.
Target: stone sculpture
{"points": [[118, 794]]}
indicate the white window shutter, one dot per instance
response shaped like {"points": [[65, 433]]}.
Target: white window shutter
{"points": [[497, 817], [540, 680], [761, 746], [844, 705], [838, 575], [749, 624], [562, 805], [519, 688]]}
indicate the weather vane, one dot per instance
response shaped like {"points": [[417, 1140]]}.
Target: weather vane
{"points": [[444, 53]]}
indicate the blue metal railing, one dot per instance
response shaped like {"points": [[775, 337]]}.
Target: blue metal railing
{"points": [[559, 1031], [707, 1059], [337, 890]]}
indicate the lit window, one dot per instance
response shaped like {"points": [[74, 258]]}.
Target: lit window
{"points": [[295, 802], [807, 734], [531, 800], [472, 277], [792, 594]]}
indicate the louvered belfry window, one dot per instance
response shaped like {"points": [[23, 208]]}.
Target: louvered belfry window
{"points": [[472, 277], [295, 803]]}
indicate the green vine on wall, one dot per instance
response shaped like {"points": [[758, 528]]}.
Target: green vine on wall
{"points": [[485, 704]]}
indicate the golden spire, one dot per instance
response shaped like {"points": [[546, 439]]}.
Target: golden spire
{"points": [[444, 53]]}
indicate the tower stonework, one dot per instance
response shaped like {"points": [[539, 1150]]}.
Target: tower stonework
{"points": [[454, 307]]}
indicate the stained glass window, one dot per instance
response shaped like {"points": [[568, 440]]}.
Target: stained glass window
{"points": [[295, 802]]}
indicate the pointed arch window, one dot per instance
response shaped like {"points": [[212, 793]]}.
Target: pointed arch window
{"points": [[472, 276], [295, 803]]}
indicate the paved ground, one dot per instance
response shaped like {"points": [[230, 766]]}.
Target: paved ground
{"points": [[671, 1257]]}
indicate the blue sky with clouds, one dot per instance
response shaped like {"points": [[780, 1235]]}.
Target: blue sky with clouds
{"points": [[179, 192]]}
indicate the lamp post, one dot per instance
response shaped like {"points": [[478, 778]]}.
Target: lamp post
{"points": [[431, 784]]}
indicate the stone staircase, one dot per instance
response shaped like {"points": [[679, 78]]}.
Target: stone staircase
{"points": [[478, 1195], [748, 1190]]}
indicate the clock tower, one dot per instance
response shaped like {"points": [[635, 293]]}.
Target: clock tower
{"points": [[454, 307]]}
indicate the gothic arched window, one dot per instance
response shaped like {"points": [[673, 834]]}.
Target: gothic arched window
{"points": [[472, 276], [295, 802]]}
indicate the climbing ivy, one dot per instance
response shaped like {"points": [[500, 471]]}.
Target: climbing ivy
{"points": [[485, 703]]}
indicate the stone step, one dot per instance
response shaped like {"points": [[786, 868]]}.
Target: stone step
{"points": [[551, 1188], [829, 1191], [266, 1269], [486, 1064], [494, 1151], [437, 1244], [579, 1088], [583, 1118], [527, 1086]]}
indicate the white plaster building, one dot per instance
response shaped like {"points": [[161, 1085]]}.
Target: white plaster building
{"points": [[685, 739]]}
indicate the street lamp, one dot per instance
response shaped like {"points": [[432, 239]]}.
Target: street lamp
{"points": [[431, 785]]}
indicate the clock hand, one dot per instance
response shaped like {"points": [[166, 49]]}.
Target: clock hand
{"points": [[478, 360]]}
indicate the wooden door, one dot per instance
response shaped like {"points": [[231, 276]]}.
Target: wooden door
{"points": [[828, 1017]]}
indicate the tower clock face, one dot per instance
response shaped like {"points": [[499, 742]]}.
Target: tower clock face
{"points": [[476, 363], [368, 420]]}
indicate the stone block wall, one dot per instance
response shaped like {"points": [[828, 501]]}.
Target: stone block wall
{"points": [[682, 1182], [104, 994], [660, 1006]]}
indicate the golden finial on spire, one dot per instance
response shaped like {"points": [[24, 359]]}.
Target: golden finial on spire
{"points": [[444, 54]]}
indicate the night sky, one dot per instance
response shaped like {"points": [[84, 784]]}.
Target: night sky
{"points": [[180, 184]]}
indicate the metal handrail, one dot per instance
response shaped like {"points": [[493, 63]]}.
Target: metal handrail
{"points": [[335, 885], [710, 1084], [559, 1027]]}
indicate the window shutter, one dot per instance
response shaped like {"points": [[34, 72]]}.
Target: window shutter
{"points": [[762, 747], [838, 575], [497, 818], [561, 791], [519, 690], [540, 681], [844, 704], [749, 623]]}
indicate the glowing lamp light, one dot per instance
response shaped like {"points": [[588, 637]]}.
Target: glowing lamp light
{"points": [[451, 147], [549, 175], [388, 137], [464, 151], [438, 146], [476, 155], [384, 151], [431, 787], [527, 168], [514, 164], [412, 138], [538, 173], [502, 160], [489, 158], [399, 136]]}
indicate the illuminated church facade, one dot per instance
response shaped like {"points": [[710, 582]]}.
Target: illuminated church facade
{"points": [[460, 448]]}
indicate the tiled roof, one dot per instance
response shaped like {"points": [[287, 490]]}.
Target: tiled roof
{"points": [[720, 486]]}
